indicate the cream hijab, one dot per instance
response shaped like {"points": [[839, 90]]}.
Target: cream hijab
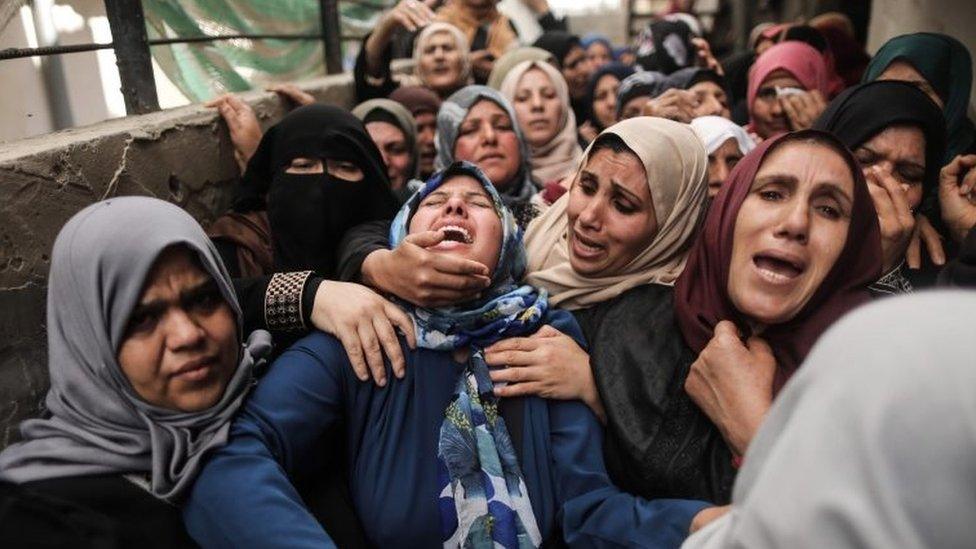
{"points": [[420, 43], [677, 172], [559, 157]]}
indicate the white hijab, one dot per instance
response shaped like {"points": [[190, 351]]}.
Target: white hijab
{"points": [[714, 131], [872, 443]]}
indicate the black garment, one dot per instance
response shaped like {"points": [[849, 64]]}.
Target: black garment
{"points": [[92, 511], [558, 43], [737, 68], [549, 22], [863, 111], [309, 213], [373, 87], [961, 271], [665, 46], [659, 444]]}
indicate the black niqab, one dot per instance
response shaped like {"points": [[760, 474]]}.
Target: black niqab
{"points": [[309, 213]]}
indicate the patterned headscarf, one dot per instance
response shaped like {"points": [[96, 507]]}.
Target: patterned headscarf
{"points": [[449, 119], [483, 496]]}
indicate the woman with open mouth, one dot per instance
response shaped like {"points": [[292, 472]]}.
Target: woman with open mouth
{"points": [[148, 363], [435, 459], [790, 244], [541, 99]]}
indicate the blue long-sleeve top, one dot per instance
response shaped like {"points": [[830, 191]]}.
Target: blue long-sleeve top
{"points": [[243, 497]]}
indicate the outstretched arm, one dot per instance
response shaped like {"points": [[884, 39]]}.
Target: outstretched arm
{"points": [[243, 496]]}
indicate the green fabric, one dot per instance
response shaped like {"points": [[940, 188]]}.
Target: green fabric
{"points": [[205, 70], [947, 66]]}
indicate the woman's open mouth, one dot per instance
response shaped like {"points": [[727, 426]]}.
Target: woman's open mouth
{"points": [[778, 268], [585, 248], [456, 233]]}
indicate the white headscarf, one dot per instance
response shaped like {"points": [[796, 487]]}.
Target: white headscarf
{"points": [[872, 443], [714, 131], [464, 48]]}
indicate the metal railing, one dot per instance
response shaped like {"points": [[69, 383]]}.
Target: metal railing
{"points": [[134, 59]]}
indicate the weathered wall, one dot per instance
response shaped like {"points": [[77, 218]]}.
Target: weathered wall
{"points": [[182, 155]]}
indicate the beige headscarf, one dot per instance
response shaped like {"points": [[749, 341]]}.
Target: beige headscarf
{"points": [[677, 173], [504, 64], [560, 156], [463, 46]]}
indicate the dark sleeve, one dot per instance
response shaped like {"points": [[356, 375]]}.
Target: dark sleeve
{"points": [[256, 301], [373, 87], [961, 271], [243, 496], [550, 22], [592, 511], [227, 251], [358, 243]]}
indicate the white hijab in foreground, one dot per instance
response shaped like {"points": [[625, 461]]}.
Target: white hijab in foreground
{"points": [[873, 443]]}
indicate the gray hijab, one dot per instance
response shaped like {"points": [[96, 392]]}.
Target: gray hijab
{"points": [[872, 443], [449, 118], [95, 423]]}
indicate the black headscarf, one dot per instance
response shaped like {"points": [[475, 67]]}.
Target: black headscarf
{"points": [[861, 112], [309, 213], [665, 46], [688, 77], [558, 43], [618, 70]]}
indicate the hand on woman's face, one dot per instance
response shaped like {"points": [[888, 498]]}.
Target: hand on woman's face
{"points": [[439, 64], [181, 345], [899, 150], [790, 231], [605, 100], [487, 139], [769, 117], [463, 211], [537, 107], [392, 144], [610, 214]]}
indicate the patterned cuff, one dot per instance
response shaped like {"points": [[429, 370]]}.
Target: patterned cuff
{"points": [[283, 301]]}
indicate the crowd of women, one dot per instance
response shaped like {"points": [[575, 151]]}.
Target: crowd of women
{"points": [[550, 294]]}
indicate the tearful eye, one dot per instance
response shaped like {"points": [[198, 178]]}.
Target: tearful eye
{"points": [[770, 195], [829, 212]]}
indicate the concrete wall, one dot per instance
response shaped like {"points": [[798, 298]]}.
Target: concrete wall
{"points": [[183, 155]]}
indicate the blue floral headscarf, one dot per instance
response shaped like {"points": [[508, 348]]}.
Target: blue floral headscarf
{"points": [[483, 498]]}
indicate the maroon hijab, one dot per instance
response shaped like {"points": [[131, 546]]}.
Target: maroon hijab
{"points": [[701, 296]]}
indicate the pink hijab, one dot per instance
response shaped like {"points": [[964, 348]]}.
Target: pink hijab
{"points": [[803, 61]]}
